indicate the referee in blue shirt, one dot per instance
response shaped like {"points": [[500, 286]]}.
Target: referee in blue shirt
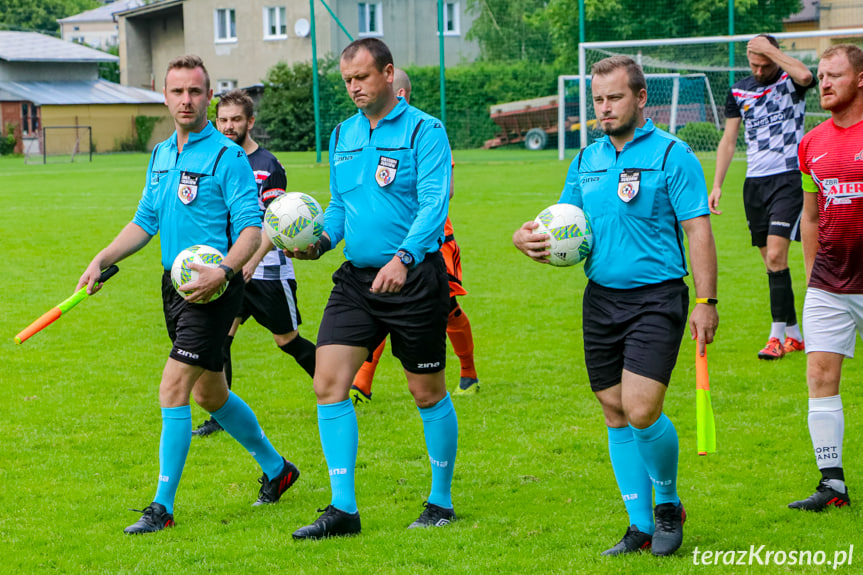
{"points": [[389, 183], [638, 186], [200, 189]]}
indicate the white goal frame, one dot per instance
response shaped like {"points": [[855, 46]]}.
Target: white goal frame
{"points": [[675, 83], [584, 46]]}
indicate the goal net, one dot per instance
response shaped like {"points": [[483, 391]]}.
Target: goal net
{"points": [[673, 101], [718, 61], [60, 144]]}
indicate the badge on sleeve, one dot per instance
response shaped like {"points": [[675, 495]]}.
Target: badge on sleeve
{"points": [[628, 184], [188, 189], [386, 172]]}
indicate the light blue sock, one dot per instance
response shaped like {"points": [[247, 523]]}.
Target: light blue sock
{"points": [[173, 449], [659, 447], [239, 420], [632, 478], [337, 424], [440, 425]]}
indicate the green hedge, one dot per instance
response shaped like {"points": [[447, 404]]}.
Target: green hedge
{"points": [[287, 111]]}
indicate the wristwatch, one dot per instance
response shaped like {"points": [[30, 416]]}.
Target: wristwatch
{"points": [[405, 257], [229, 273]]}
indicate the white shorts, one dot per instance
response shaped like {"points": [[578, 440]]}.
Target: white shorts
{"points": [[831, 321]]}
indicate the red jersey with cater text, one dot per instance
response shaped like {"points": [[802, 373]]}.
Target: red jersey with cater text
{"points": [[833, 157]]}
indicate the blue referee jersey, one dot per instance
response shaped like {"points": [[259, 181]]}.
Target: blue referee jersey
{"points": [[635, 201], [389, 186], [205, 194]]}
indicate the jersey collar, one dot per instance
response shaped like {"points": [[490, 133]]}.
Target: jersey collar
{"points": [[641, 132], [195, 136], [397, 111]]}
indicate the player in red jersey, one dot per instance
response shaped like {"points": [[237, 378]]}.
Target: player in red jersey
{"points": [[831, 159], [458, 326]]}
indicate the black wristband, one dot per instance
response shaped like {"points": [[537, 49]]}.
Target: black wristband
{"points": [[229, 273], [326, 245]]}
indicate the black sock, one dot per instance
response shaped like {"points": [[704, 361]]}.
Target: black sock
{"points": [[226, 355], [782, 297], [303, 351]]}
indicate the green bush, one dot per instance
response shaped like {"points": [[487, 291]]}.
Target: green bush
{"points": [[144, 126], [7, 142], [701, 136]]}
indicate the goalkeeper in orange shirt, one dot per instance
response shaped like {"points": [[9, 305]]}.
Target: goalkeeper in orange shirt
{"points": [[458, 326]]}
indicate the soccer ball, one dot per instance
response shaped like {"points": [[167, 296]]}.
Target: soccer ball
{"points": [[569, 231], [182, 273], [294, 220]]}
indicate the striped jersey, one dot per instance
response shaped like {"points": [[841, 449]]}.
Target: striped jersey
{"points": [[270, 175], [772, 121], [832, 158]]}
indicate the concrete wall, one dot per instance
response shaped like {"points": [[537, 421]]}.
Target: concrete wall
{"points": [[136, 60], [96, 34], [48, 72], [410, 30], [247, 59], [111, 124]]}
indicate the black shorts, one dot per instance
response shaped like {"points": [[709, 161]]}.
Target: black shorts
{"points": [[773, 206], [634, 329], [415, 318], [198, 330], [273, 304]]}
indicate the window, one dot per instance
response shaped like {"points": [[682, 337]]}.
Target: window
{"points": [[451, 19], [226, 25], [275, 23], [223, 86], [370, 19], [29, 119]]}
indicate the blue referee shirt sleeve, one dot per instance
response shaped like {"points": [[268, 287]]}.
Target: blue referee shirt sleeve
{"points": [[571, 193], [434, 170], [240, 190], [334, 216], [145, 216], [687, 188]]}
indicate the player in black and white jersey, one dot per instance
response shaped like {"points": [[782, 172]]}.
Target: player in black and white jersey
{"points": [[271, 286], [771, 105]]}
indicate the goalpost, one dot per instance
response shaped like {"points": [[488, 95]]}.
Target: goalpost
{"points": [[673, 100], [717, 59], [60, 144]]}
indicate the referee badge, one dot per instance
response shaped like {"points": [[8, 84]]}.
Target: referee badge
{"points": [[188, 189], [386, 172], [628, 184]]}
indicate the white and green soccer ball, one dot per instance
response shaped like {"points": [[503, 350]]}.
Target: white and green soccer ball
{"points": [[294, 220], [569, 232], [182, 273]]}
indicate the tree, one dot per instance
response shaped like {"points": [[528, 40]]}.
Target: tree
{"points": [[40, 15], [509, 30]]}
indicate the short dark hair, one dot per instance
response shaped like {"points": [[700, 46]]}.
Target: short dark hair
{"points": [[189, 62], [379, 51], [771, 39], [634, 72], [240, 98], [851, 51]]}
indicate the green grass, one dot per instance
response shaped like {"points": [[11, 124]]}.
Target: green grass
{"points": [[533, 487]]}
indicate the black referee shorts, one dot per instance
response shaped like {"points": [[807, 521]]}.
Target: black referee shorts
{"points": [[415, 318], [634, 329], [198, 330], [773, 206]]}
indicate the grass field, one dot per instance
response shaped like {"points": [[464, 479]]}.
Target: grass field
{"points": [[535, 493]]}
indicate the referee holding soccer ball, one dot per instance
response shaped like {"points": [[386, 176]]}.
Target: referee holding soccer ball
{"points": [[200, 189], [639, 186], [389, 182]]}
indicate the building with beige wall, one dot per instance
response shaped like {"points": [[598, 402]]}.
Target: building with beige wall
{"points": [[50, 89], [822, 15], [96, 28], [238, 40]]}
